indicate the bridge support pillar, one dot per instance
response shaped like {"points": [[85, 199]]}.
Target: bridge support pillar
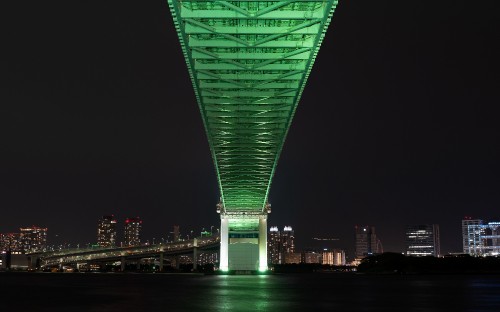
{"points": [[195, 255], [243, 240], [224, 244], [123, 263], [263, 243], [161, 262], [32, 264]]}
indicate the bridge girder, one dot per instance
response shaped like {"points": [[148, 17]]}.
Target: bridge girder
{"points": [[248, 62]]}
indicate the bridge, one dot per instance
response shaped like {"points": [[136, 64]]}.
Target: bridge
{"points": [[78, 256], [248, 61]]}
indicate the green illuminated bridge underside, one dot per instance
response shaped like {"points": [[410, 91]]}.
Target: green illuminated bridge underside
{"points": [[249, 62]]}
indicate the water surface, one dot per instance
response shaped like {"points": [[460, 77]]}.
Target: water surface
{"points": [[93, 292]]}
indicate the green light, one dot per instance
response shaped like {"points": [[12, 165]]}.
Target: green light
{"points": [[249, 62]]}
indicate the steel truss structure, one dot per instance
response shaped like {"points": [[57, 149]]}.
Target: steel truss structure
{"points": [[249, 62]]}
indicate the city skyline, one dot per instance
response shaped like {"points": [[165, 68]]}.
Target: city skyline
{"points": [[395, 126]]}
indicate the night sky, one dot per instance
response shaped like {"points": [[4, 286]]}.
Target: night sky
{"points": [[397, 125]]}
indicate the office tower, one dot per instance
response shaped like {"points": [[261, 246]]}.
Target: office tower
{"points": [[176, 233], [133, 231], [422, 240], [367, 242], [287, 240], [481, 239], [279, 244], [471, 233], [11, 242], [33, 238], [106, 231], [274, 245]]}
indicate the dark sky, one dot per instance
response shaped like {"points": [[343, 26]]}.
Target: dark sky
{"points": [[397, 124]]}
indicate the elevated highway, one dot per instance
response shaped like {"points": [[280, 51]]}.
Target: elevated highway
{"points": [[94, 255]]}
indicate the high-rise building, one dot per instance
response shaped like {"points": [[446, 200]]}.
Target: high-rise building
{"points": [[287, 240], [480, 239], [423, 240], [367, 242], [33, 238], [471, 233], [133, 231], [106, 231], [279, 244], [11, 242], [176, 233], [274, 245]]}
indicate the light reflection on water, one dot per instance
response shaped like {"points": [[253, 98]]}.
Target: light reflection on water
{"points": [[252, 293], [276, 293]]}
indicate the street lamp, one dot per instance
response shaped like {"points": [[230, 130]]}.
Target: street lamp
{"points": [[211, 228]]}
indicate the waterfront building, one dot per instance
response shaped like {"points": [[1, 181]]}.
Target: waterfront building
{"points": [[11, 242], [333, 257], [132, 231], [311, 257], [33, 238], [274, 245], [423, 240], [280, 244], [287, 240], [367, 242], [471, 233], [292, 257], [208, 258], [480, 239], [106, 231]]}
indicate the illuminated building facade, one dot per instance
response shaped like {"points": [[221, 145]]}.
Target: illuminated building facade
{"points": [[274, 245], [207, 258], [106, 231], [333, 257], [367, 242], [292, 257], [33, 238], [280, 244], [423, 240], [287, 240], [471, 233], [480, 239], [132, 231], [311, 257], [11, 242]]}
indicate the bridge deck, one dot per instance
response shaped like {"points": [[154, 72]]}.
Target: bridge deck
{"points": [[249, 62]]}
